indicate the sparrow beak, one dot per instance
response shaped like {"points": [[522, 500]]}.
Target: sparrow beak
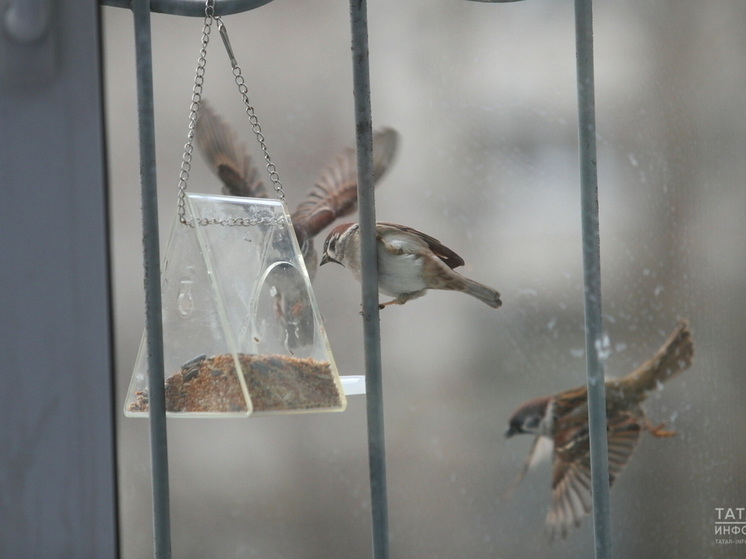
{"points": [[324, 259], [512, 430]]}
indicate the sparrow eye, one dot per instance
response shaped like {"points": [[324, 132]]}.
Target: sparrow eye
{"points": [[531, 423]]}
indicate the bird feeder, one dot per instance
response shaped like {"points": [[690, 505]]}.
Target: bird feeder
{"points": [[242, 331]]}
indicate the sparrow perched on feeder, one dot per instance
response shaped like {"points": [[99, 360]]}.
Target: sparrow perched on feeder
{"points": [[560, 422], [409, 263]]}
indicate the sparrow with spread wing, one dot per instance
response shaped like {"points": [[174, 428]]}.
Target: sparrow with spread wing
{"points": [[560, 423], [334, 195]]}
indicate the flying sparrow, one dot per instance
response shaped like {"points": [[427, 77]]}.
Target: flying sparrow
{"points": [[409, 263], [334, 195], [560, 423]]}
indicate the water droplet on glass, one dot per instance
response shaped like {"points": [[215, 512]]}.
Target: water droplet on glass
{"points": [[603, 348], [185, 299]]}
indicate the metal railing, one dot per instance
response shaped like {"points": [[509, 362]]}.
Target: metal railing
{"points": [[152, 264], [369, 255], [594, 339]]}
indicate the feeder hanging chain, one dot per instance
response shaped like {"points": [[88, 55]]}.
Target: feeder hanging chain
{"points": [[199, 79], [255, 127]]}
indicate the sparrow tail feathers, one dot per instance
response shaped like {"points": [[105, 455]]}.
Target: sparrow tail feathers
{"points": [[483, 293], [674, 357]]}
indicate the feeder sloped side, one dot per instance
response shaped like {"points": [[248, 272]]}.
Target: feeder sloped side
{"points": [[237, 298]]}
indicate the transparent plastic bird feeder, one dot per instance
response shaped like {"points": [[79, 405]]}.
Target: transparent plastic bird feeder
{"points": [[242, 333]]}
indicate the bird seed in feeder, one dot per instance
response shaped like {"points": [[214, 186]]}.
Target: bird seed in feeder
{"points": [[275, 383]]}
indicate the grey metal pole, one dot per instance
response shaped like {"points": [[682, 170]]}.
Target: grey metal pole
{"points": [[193, 8], [151, 252], [372, 333], [592, 278]]}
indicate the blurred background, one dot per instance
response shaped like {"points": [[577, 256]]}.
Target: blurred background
{"points": [[484, 97]]}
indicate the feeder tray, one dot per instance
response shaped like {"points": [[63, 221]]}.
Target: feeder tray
{"points": [[242, 333]]}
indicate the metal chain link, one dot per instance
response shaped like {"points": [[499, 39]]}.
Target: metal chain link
{"points": [[199, 79], [186, 160], [239, 221], [255, 127]]}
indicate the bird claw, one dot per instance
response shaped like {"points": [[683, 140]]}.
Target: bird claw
{"points": [[658, 430], [380, 306]]}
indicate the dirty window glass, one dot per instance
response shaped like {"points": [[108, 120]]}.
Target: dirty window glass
{"points": [[484, 99]]}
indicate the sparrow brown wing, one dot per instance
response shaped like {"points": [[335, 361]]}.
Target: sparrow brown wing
{"points": [[673, 357], [570, 403], [226, 156], [335, 193], [571, 471], [449, 257]]}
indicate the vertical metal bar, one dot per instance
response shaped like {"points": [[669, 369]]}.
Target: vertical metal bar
{"points": [[151, 253], [372, 334], [592, 278]]}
